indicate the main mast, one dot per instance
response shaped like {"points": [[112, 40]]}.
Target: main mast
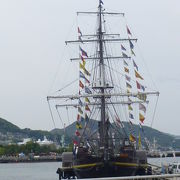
{"points": [[104, 132]]}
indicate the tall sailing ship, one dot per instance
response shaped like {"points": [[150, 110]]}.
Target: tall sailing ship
{"points": [[112, 97]]}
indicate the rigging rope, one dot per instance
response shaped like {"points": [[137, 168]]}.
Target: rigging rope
{"points": [[51, 113], [67, 115], [154, 111], [60, 117]]}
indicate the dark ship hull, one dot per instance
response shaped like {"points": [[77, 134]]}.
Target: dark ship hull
{"points": [[83, 165], [110, 169]]}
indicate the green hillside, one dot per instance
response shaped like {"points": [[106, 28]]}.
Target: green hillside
{"points": [[163, 139], [6, 126], [10, 133]]}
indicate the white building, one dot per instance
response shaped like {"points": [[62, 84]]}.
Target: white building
{"points": [[45, 141]]}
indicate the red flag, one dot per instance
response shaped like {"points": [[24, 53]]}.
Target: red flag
{"points": [[79, 31], [78, 117], [75, 142], [87, 108], [77, 133], [81, 84], [118, 120], [138, 85]]}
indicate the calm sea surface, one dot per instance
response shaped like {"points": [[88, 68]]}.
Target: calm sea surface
{"points": [[47, 171], [29, 171]]}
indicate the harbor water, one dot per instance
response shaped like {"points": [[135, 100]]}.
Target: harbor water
{"points": [[47, 171], [29, 171]]}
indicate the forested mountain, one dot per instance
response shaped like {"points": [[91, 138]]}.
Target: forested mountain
{"points": [[10, 133]]}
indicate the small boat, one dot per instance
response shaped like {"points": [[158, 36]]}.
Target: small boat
{"points": [[111, 93]]}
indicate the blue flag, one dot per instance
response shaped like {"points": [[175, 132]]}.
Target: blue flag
{"points": [[131, 44], [87, 90], [131, 116]]}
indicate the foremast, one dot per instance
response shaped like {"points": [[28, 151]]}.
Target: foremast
{"points": [[104, 132]]}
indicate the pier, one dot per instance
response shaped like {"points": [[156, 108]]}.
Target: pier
{"points": [[149, 177]]}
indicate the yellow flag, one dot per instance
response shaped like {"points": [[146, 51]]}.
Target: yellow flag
{"points": [[87, 100], [142, 97], [139, 141], [128, 91], [138, 75], [132, 138], [130, 107], [81, 66], [141, 117]]}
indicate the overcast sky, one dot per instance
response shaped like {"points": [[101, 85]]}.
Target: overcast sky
{"points": [[32, 35]]}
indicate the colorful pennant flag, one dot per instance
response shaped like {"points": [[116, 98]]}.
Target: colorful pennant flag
{"points": [[142, 96], [131, 116], [78, 117], [87, 72], [81, 66], [128, 78], [130, 107], [75, 142], [132, 138], [128, 85], [87, 100], [128, 31], [138, 75], [142, 107], [87, 108], [125, 63], [78, 125], [80, 110], [82, 119], [131, 44], [143, 88], [123, 48], [141, 118], [87, 80], [80, 103], [135, 65], [126, 69], [139, 86], [132, 52], [81, 84], [81, 75], [86, 117], [124, 55], [79, 31], [139, 141], [83, 60], [77, 133], [87, 90], [118, 120], [84, 53]]}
